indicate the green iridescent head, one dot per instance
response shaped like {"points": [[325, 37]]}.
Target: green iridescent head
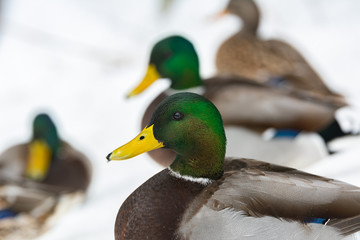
{"points": [[43, 147], [174, 58], [190, 125], [45, 129]]}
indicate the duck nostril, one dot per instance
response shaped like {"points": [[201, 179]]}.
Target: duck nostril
{"points": [[142, 137]]}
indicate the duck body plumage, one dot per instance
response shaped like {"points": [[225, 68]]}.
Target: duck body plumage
{"points": [[163, 219], [265, 107], [33, 207], [252, 200], [37, 205]]}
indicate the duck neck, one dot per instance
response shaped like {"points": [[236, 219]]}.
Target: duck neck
{"points": [[250, 16], [188, 79], [206, 162], [250, 26], [54, 143]]}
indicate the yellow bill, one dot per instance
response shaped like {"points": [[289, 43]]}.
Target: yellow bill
{"points": [[151, 76], [218, 16], [39, 160], [142, 143], [222, 13]]}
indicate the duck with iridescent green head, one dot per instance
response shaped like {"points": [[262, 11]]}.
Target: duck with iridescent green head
{"points": [[47, 159], [203, 195], [245, 105], [37, 179]]}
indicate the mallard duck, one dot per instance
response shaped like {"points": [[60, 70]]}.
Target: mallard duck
{"points": [[270, 61], [29, 209], [39, 178], [203, 195], [241, 102]]}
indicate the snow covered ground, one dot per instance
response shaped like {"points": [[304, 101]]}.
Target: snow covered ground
{"points": [[78, 59]]}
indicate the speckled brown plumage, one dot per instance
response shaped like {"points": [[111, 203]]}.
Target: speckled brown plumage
{"points": [[245, 54], [38, 204]]}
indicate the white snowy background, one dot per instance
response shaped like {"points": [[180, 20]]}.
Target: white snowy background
{"points": [[77, 60]]}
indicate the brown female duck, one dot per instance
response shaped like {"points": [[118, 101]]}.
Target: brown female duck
{"points": [[269, 61]]}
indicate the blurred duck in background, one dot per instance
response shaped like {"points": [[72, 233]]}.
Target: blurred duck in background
{"points": [[203, 195], [39, 180], [272, 62], [248, 108]]}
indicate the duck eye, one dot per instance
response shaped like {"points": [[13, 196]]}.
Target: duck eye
{"points": [[167, 54], [178, 116]]}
